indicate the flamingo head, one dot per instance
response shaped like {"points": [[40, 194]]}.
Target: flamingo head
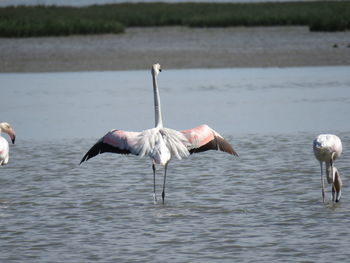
{"points": [[337, 185], [156, 69], [5, 127]]}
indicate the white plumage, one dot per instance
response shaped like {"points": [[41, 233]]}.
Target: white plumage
{"points": [[159, 143], [4, 145], [327, 148]]}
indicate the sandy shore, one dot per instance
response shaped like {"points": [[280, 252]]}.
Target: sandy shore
{"points": [[177, 47]]}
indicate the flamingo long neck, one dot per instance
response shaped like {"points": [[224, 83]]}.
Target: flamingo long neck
{"points": [[329, 173], [328, 169], [157, 108]]}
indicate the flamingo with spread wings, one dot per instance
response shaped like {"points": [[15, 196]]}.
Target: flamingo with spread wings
{"points": [[160, 143]]}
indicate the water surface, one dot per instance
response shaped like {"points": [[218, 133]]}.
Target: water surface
{"points": [[51, 106], [264, 206]]}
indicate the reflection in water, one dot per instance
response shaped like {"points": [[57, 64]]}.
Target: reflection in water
{"points": [[265, 206]]}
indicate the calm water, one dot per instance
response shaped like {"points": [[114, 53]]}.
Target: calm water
{"points": [[264, 206]]}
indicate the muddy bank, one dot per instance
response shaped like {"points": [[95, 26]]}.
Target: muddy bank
{"points": [[177, 47]]}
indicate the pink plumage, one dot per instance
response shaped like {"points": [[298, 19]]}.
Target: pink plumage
{"points": [[159, 143]]}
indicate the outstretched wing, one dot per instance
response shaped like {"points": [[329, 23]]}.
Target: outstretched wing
{"points": [[115, 141], [203, 138]]}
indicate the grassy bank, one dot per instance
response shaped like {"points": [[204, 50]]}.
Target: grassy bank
{"points": [[52, 21]]}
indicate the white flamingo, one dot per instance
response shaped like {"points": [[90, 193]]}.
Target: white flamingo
{"points": [[327, 148], [159, 143], [4, 145]]}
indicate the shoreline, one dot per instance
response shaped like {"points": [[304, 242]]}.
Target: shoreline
{"points": [[177, 48]]}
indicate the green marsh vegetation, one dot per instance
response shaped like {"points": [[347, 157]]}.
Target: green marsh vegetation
{"points": [[25, 21]]}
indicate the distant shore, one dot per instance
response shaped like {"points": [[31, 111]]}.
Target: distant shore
{"points": [[176, 48]]}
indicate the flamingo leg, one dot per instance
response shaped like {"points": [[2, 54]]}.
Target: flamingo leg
{"points": [[322, 183], [154, 184], [163, 193]]}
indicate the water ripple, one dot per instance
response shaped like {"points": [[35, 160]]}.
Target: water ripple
{"points": [[259, 207]]}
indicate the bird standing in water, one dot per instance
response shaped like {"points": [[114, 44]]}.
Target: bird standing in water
{"points": [[4, 145], [327, 148], [159, 143]]}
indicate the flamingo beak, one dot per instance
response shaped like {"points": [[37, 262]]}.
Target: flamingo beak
{"points": [[331, 160], [12, 135], [336, 194]]}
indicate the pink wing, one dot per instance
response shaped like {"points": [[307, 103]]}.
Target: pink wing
{"points": [[115, 141], [203, 138]]}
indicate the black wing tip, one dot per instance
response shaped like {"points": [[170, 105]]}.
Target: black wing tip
{"points": [[94, 150], [101, 147], [233, 152], [225, 146], [85, 158], [219, 144]]}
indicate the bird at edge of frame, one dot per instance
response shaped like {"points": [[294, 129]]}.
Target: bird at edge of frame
{"points": [[161, 144], [327, 148], [4, 145]]}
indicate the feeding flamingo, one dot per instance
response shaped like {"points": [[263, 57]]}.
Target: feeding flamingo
{"points": [[327, 148], [160, 143], [4, 145]]}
